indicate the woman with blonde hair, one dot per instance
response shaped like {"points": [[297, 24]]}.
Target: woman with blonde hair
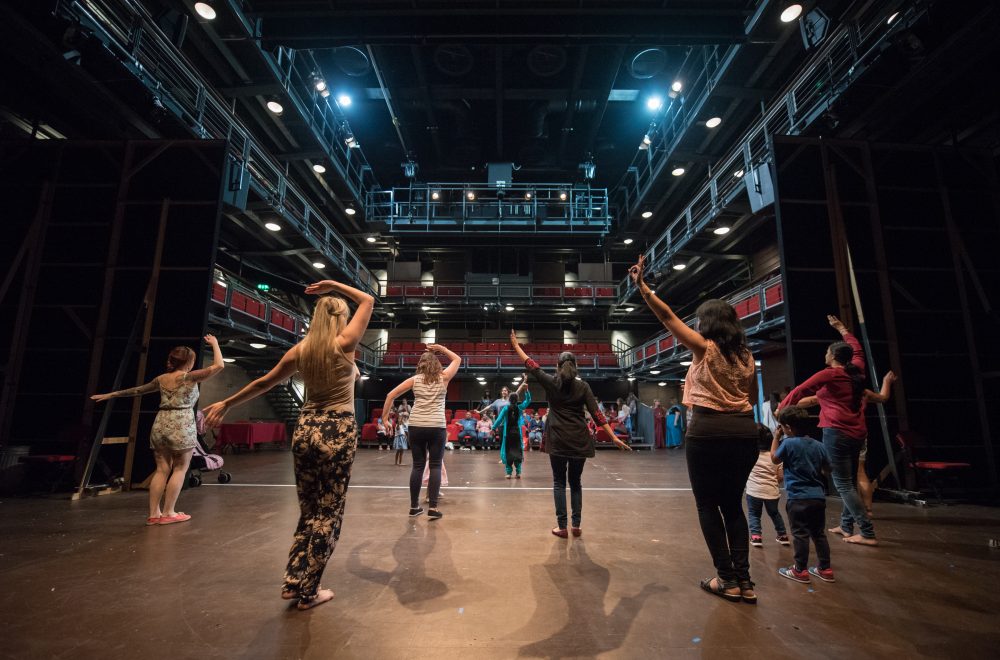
{"points": [[428, 429], [326, 434], [174, 433]]}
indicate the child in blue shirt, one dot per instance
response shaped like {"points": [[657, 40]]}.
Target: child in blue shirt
{"points": [[806, 462]]}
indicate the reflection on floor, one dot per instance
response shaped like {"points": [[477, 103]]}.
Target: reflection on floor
{"points": [[88, 580]]}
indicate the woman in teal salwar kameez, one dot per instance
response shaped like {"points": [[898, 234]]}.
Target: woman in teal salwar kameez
{"points": [[509, 421]]}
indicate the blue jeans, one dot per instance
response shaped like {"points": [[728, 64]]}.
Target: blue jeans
{"points": [[844, 452], [754, 507], [563, 467]]}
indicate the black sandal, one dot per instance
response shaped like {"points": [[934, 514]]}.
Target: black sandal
{"points": [[720, 589], [747, 586]]}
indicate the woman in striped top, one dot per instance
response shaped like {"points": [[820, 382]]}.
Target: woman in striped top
{"points": [[427, 425]]}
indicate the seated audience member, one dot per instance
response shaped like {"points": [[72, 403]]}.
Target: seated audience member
{"points": [[484, 432], [467, 435], [535, 429]]}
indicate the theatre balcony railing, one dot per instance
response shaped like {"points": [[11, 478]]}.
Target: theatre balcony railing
{"points": [[237, 306], [499, 291], [837, 64], [128, 31], [760, 308], [516, 209], [493, 357]]}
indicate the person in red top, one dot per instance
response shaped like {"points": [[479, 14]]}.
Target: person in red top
{"points": [[840, 389]]}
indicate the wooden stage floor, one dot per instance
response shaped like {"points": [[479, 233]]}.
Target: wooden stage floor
{"points": [[89, 580]]}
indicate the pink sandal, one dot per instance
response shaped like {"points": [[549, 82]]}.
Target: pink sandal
{"points": [[153, 520], [178, 518]]}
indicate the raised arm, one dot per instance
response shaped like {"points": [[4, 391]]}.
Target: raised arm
{"points": [[151, 386], [199, 375], [282, 371], [808, 388], [776, 456], [680, 330], [545, 379], [859, 353], [390, 398], [355, 329], [456, 360], [882, 395], [527, 394], [599, 418]]}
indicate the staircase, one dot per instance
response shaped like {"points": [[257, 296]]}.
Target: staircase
{"points": [[284, 401]]}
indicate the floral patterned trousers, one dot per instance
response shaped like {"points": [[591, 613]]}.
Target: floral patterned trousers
{"points": [[323, 448]]}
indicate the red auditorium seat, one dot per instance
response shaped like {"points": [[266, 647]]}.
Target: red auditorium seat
{"points": [[369, 434], [410, 360], [666, 344], [408, 346], [607, 361], [930, 472], [482, 361], [395, 346], [219, 293], [394, 291], [510, 361], [542, 412], [649, 351], [753, 305], [451, 291], [468, 347], [605, 292], [376, 413], [774, 295]]}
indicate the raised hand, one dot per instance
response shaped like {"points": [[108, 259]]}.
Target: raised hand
{"points": [[890, 377], [321, 287], [636, 271], [211, 340], [100, 397], [513, 338], [836, 324]]}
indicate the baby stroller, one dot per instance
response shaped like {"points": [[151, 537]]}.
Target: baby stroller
{"points": [[202, 461]]}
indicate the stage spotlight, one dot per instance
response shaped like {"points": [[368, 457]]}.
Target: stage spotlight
{"points": [[344, 100], [790, 13], [435, 195], [677, 86], [275, 106], [318, 168], [628, 241], [319, 264], [646, 215], [205, 10], [654, 103], [350, 210], [677, 171], [371, 239], [273, 226], [713, 122]]}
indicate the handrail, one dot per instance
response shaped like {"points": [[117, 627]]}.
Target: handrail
{"points": [[839, 62], [465, 290], [127, 29]]}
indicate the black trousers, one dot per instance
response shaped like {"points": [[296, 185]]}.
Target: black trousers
{"points": [[427, 445], [807, 518], [721, 451]]}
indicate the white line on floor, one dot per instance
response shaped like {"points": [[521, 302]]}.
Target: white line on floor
{"points": [[508, 488]]}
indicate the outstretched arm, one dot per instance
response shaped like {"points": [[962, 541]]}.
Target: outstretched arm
{"points": [[151, 386], [882, 395], [456, 361], [390, 398], [199, 375], [599, 418], [685, 335], [355, 329], [282, 371]]}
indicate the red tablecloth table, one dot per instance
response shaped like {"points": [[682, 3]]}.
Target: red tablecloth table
{"points": [[250, 433]]}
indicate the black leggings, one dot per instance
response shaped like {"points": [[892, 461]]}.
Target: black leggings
{"points": [[721, 452], [427, 445]]}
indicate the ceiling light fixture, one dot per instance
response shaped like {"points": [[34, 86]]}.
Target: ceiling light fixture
{"points": [[365, 376], [527, 195], [370, 239], [425, 308], [892, 18], [562, 195], [350, 210], [571, 309], [654, 103], [390, 313], [318, 168], [791, 12], [435, 195], [662, 384], [486, 308], [677, 86], [319, 264], [229, 360], [654, 371], [274, 105], [344, 100], [646, 215], [739, 174], [320, 84], [631, 378], [205, 10], [628, 241], [680, 266], [677, 171], [509, 308], [273, 226], [686, 363], [471, 196], [713, 122], [721, 229], [254, 344], [629, 310]]}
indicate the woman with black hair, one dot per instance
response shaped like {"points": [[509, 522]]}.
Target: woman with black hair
{"points": [[721, 442], [840, 390], [566, 440], [509, 421]]}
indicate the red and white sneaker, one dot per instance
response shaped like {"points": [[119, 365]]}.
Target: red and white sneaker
{"points": [[825, 574], [756, 540], [783, 539], [793, 573]]}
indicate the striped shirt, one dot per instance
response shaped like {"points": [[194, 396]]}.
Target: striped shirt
{"points": [[428, 403]]}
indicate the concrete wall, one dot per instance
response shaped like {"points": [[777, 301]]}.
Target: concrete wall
{"points": [[232, 379]]}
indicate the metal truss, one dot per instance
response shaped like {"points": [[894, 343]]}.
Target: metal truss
{"points": [[128, 31], [842, 59], [522, 208]]}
